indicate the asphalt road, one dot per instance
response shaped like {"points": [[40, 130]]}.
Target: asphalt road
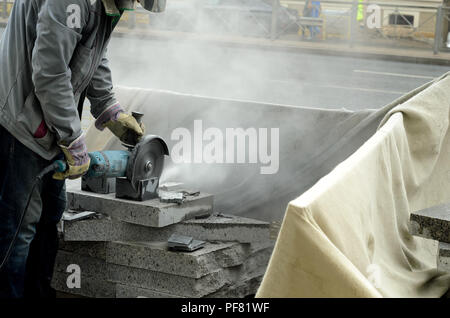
{"points": [[268, 76], [277, 77]]}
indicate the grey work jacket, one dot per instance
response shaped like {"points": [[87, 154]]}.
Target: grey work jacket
{"points": [[52, 53]]}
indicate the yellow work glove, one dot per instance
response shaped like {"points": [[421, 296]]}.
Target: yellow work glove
{"points": [[77, 160], [123, 125]]}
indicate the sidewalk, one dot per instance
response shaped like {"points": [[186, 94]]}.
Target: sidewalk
{"points": [[414, 55]]}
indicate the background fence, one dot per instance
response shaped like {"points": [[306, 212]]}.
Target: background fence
{"points": [[354, 22]]}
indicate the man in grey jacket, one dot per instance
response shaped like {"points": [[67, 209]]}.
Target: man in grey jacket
{"points": [[52, 56]]}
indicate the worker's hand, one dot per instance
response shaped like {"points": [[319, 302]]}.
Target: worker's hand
{"points": [[77, 160], [120, 123]]}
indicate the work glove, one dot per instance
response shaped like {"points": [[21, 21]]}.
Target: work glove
{"points": [[121, 124], [77, 160]]}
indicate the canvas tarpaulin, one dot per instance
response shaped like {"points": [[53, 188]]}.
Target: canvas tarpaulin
{"points": [[348, 235]]}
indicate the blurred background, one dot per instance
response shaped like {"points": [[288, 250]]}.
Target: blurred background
{"points": [[401, 23], [350, 54], [335, 54]]}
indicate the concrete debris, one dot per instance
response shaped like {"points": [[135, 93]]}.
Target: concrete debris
{"points": [[171, 197], [170, 186], [178, 197], [183, 243], [77, 216]]}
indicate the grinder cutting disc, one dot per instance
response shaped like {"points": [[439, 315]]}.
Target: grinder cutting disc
{"points": [[147, 159]]}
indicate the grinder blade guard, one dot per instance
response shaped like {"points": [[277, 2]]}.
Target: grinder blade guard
{"points": [[144, 168]]}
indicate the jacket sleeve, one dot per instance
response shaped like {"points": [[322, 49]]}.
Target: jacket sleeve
{"points": [[100, 90], [58, 31]]}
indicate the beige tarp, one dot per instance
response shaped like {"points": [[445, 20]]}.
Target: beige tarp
{"points": [[347, 236]]}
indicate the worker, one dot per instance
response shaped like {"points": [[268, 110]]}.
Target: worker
{"points": [[360, 13], [312, 9], [52, 56]]}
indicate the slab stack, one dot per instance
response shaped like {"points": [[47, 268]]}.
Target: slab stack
{"points": [[122, 251], [434, 223]]}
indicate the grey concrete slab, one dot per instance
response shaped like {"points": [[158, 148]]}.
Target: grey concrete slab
{"points": [[154, 256], [444, 257], [168, 284], [100, 230], [91, 249], [214, 228], [149, 213], [432, 223]]}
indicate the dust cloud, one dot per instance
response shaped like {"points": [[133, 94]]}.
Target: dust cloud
{"points": [[230, 87]]}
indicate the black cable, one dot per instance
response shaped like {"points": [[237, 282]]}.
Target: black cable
{"points": [[37, 179]]}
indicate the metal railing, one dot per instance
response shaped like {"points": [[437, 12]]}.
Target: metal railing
{"points": [[400, 25], [394, 23]]}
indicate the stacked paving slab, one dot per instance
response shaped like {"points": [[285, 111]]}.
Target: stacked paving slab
{"points": [[122, 251], [434, 223]]}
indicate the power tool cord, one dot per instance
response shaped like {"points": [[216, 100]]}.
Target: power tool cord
{"points": [[38, 178]]}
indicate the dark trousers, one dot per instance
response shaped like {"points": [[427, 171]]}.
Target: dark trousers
{"points": [[28, 271]]}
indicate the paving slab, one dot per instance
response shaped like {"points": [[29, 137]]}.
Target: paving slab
{"points": [[444, 257], [151, 213], [156, 257], [214, 228], [91, 249], [432, 223]]}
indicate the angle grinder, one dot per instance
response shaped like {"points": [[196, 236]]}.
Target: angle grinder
{"points": [[132, 174]]}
